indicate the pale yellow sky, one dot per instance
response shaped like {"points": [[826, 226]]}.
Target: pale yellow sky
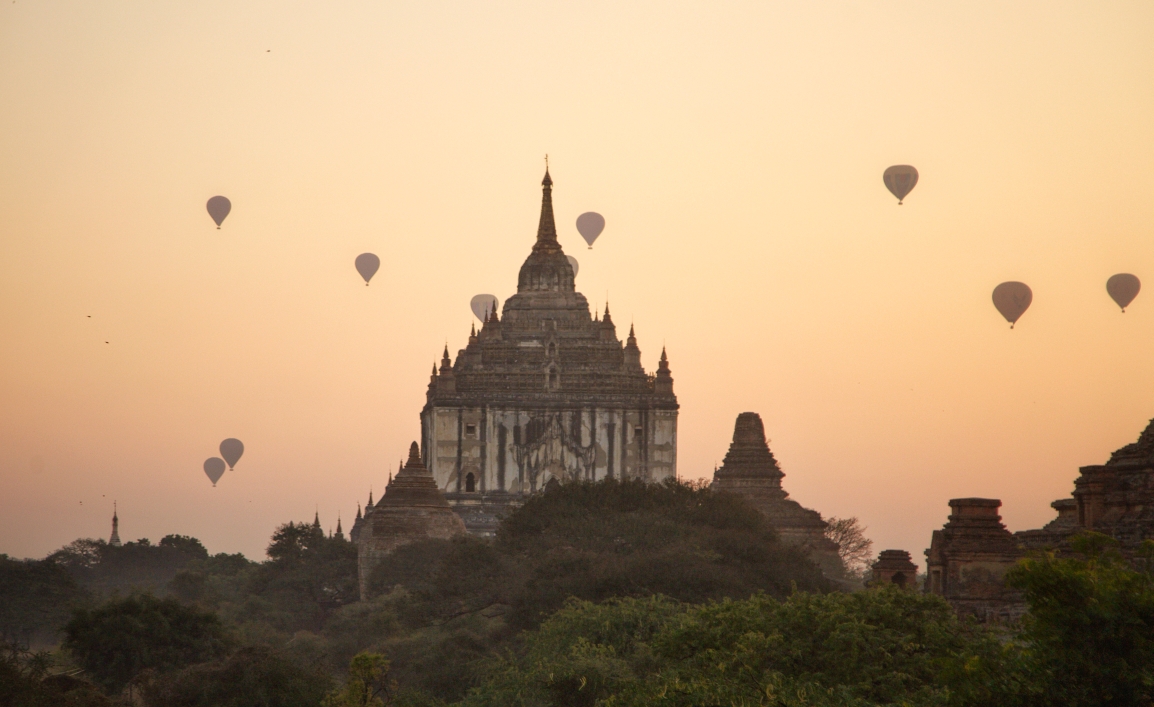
{"points": [[736, 151]]}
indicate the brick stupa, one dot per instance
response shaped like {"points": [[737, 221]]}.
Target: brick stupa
{"points": [[412, 508], [751, 471]]}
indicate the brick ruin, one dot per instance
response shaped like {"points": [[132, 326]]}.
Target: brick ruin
{"points": [[411, 509], [894, 567], [751, 471], [969, 556], [968, 560]]}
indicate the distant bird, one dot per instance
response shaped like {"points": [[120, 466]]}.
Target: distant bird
{"points": [[90, 316], [106, 342]]}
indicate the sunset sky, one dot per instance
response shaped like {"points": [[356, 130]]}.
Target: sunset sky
{"points": [[736, 151]]}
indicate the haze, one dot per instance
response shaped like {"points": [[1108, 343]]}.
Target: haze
{"points": [[736, 151]]}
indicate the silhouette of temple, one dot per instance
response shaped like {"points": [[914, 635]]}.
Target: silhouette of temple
{"points": [[412, 508], [751, 471], [114, 539], [545, 390], [969, 556]]}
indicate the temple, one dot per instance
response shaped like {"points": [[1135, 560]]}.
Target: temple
{"points": [[544, 391], [114, 539], [751, 471], [969, 557], [411, 509], [894, 567]]}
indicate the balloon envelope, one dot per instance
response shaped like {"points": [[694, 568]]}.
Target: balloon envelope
{"points": [[218, 208], [589, 225], [231, 449], [1012, 299], [214, 468], [573, 264], [900, 180], [482, 305], [1123, 288], [367, 266]]}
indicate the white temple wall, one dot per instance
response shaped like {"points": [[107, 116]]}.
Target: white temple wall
{"points": [[580, 443]]}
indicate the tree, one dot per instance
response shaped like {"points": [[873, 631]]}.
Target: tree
{"points": [[36, 598], [189, 546], [25, 682], [139, 565], [631, 538], [463, 600], [1090, 627], [254, 676], [118, 640], [882, 646], [308, 576], [854, 548], [368, 684]]}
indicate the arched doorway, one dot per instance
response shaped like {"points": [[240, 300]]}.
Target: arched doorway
{"points": [[470, 483]]}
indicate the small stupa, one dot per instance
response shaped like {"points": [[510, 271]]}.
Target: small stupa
{"points": [[751, 471], [412, 508]]}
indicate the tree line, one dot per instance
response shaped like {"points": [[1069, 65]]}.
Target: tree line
{"points": [[609, 593]]}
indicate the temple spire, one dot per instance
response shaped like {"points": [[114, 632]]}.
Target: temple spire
{"points": [[546, 228], [114, 541]]}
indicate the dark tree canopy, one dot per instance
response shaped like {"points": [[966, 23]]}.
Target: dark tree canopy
{"points": [[36, 599], [138, 565], [600, 540], [629, 538], [26, 680], [254, 676], [308, 577], [115, 642]]}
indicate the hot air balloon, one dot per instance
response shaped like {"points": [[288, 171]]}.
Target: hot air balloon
{"points": [[231, 449], [573, 264], [1012, 299], [1123, 288], [218, 208], [900, 180], [589, 225], [482, 305], [214, 468], [367, 266]]}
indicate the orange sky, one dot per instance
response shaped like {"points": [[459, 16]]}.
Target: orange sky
{"points": [[736, 151]]}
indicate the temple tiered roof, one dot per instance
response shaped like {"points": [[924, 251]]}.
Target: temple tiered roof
{"points": [[546, 346]]}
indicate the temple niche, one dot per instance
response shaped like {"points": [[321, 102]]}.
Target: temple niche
{"points": [[751, 471]]}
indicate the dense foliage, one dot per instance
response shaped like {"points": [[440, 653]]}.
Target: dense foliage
{"points": [[25, 681], [884, 646], [611, 594], [254, 676], [115, 642], [138, 565], [600, 540], [1090, 630], [36, 598]]}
